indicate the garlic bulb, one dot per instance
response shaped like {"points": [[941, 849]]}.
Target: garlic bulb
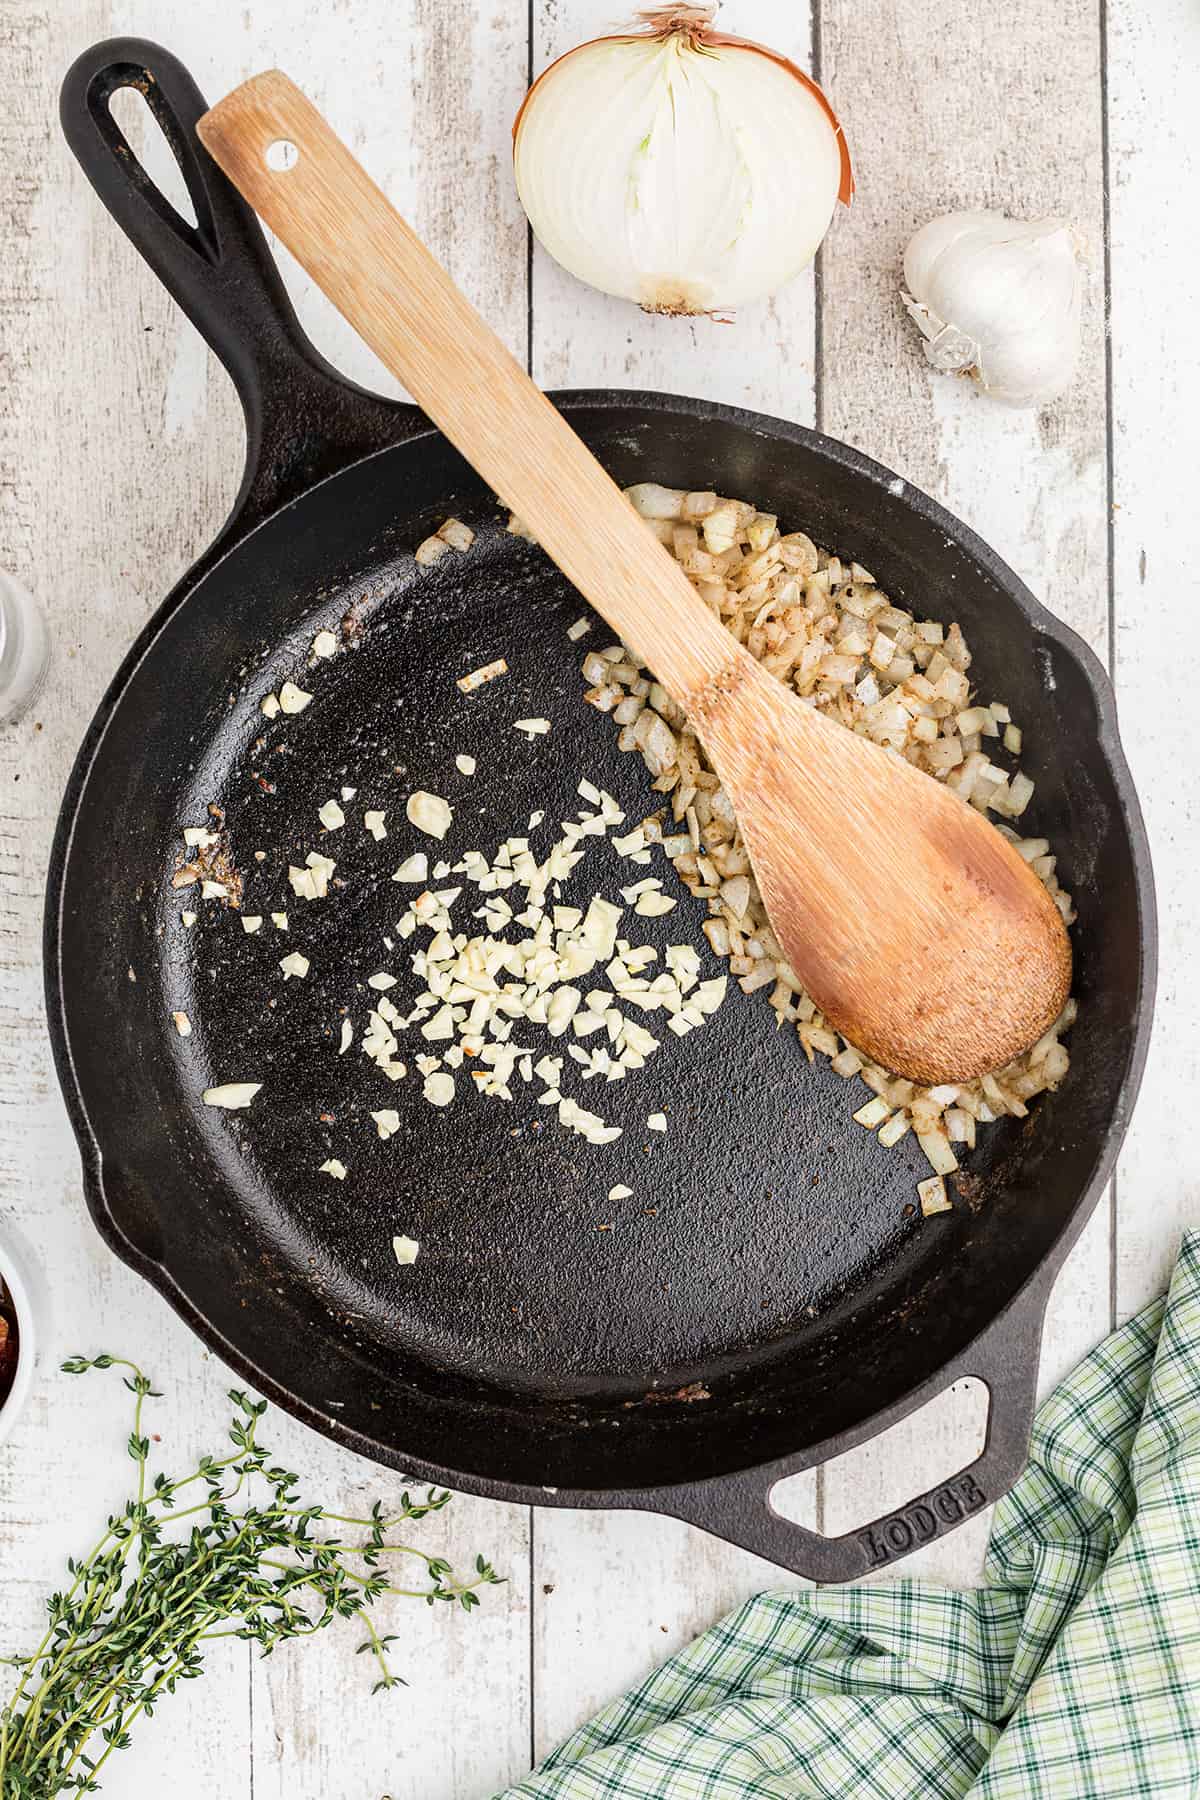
{"points": [[999, 300], [677, 167]]}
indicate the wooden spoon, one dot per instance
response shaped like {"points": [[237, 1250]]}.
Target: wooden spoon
{"points": [[913, 924]]}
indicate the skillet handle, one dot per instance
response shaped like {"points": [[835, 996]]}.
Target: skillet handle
{"points": [[738, 1508], [303, 419]]}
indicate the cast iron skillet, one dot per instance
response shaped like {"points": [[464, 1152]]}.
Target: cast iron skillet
{"points": [[767, 1298]]}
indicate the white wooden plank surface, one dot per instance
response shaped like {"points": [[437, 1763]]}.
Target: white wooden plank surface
{"points": [[1154, 52], [117, 458], [98, 554], [672, 1580], [930, 97]]}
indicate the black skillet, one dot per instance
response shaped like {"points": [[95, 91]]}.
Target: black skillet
{"points": [[768, 1297]]}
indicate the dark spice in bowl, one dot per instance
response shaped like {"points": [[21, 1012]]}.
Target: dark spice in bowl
{"points": [[8, 1342]]}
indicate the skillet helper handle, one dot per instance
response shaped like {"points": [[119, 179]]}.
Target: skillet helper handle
{"points": [[302, 418], [319, 201], [738, 1507]]}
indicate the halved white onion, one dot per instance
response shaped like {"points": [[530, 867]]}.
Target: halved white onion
{"points": [[678, 167]]}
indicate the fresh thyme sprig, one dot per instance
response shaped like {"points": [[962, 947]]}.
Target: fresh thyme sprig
{"points": [[226, 1551]]}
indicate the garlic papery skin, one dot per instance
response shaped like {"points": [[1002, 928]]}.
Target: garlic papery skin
{"points": [[999, 300], [679, 168]]}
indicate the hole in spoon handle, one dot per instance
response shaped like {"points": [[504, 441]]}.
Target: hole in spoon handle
{"points": [[281, 155]]}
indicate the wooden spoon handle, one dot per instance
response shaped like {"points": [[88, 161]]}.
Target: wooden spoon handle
{"points": [[374, 268]]}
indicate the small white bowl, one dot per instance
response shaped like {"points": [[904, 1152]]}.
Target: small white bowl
{"points": [[24, 1288]]}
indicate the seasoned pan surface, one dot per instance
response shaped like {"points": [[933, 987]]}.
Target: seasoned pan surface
{"points": [[764, 1224], [768, 1294]]}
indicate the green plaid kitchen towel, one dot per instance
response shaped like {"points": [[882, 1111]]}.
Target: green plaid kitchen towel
{"points": [[1074, 1672]]}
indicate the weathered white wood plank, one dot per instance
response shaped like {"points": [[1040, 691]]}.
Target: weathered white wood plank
{"points": [[120, 452], [1153, 53], [461, 1726], [615, 1592], [66, 1469], [945, 107], [102, 508]]}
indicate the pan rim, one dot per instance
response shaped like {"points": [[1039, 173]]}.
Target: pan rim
{"points": [[1033, 1292]]}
